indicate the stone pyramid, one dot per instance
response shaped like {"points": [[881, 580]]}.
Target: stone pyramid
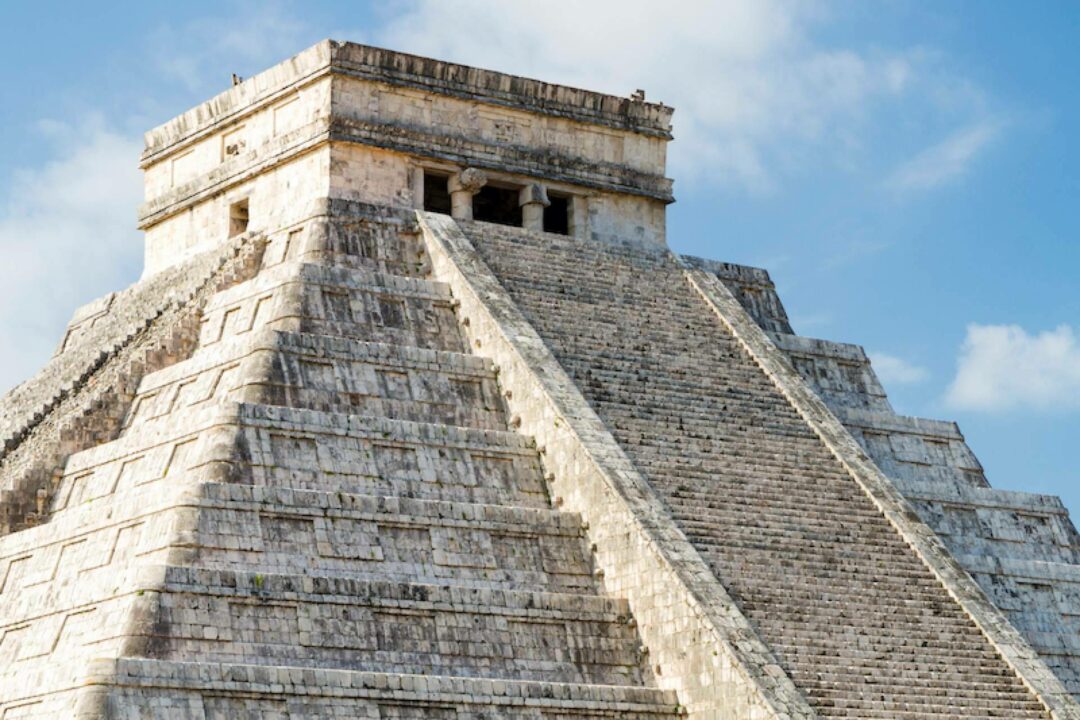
{"points": [[414, 415]]}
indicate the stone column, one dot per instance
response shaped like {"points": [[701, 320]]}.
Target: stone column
{"points": [[533, 199], [416, 179], [462, 188]]}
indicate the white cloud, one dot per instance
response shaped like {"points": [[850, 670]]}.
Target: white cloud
{"points": [[754, 94], [1003, 367], [67, 235], [892, 370], [946, 161]]}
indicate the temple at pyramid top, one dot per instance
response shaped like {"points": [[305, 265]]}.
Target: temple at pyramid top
{"points": [[351, 122]]}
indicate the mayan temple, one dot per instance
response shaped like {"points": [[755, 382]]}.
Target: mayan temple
{"points": [[413, 414]]}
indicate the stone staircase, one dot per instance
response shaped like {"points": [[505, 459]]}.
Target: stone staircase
{"points": [[1021, 548], [852, 613], [321, 513]]}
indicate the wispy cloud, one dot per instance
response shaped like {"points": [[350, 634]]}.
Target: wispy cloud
{"points": [[1003, 367], [893, 370], [946, 161], [853, 251], [758, 96], [67, 234], [240, 37]]}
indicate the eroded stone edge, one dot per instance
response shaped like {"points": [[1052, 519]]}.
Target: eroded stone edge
{"points": [[704, 647], [1008, 642]]}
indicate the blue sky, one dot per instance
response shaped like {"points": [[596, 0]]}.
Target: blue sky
{"points": [[908, 172]]}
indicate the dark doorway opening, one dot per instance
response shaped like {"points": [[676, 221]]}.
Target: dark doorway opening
{"points": [[239, 217], [557, 215], [497, 205], [436, 194]]}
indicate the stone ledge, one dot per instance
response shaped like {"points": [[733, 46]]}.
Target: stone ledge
{"points": [[410, 141], [308, 346], [396, 68], [351, 590], [233, 172], [524, 520], [522, 160], [421, 689], [980, 497], [1035, 570], [817, 347], [299, 272], [891, 422], [346, 424]]}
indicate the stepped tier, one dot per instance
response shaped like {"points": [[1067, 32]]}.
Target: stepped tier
{"points": [[320, 372], [219, 691], [325, 490], [327, 300], [380, 625]]}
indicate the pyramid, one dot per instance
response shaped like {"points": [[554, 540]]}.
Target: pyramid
{"points": [[415, 415]]}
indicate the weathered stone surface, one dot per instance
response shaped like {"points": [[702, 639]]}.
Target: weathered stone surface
{"points": [[336, 458]]}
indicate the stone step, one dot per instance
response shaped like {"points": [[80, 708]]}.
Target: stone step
{"points": [[953, 713], [799, 456], [890, 623], [931, 678], [813, 528], [279, 530], [862, 707], [841, 605], [927, 708], [333, 374], [225, 690], [731, 471], [377, 625], [850, 643], [338, 301], [812, 571], [768, 495]]}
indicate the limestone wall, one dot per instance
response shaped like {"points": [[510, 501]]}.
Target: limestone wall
{"points": [[204, 224], [231, 142]]}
